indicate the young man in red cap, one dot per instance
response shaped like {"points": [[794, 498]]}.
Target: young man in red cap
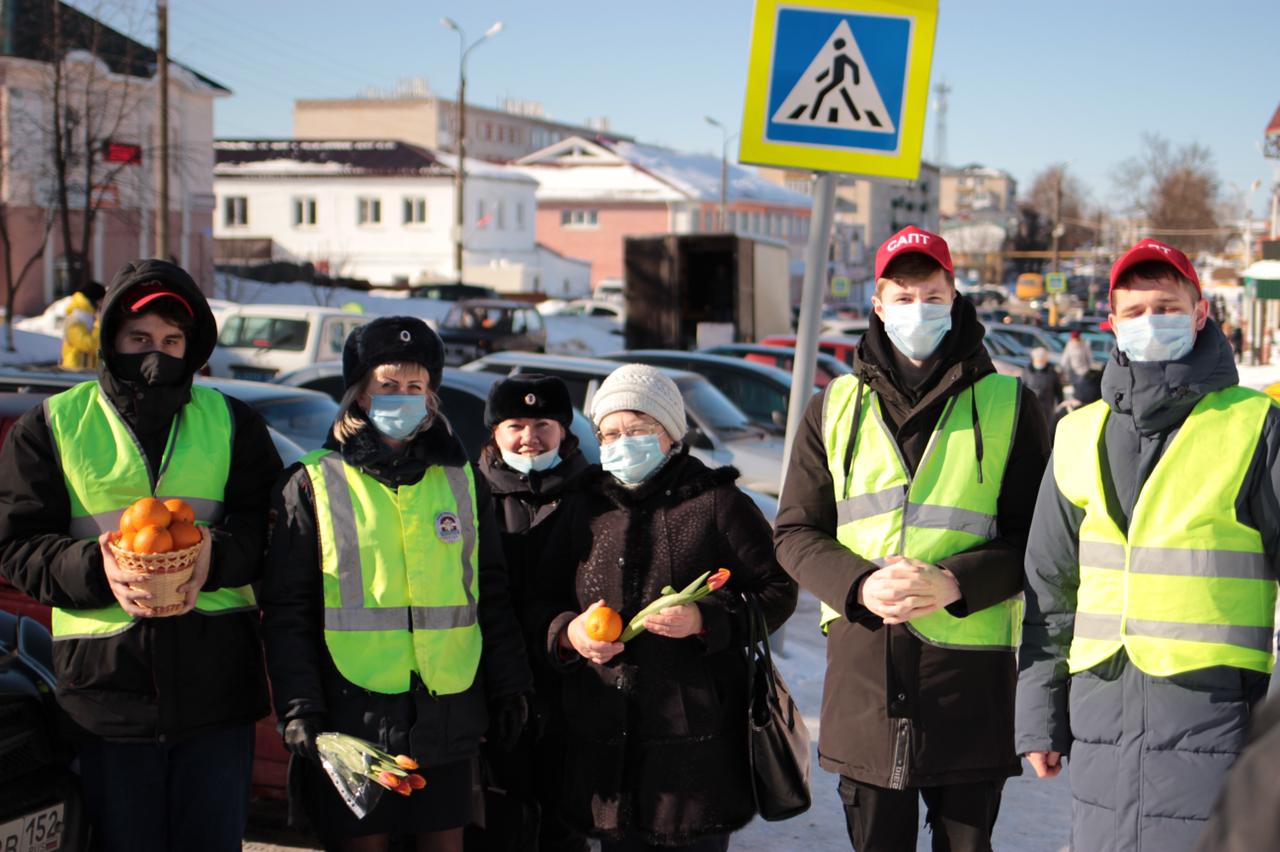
{"points": [[1151, 578], [905, 511], [162, 708]]}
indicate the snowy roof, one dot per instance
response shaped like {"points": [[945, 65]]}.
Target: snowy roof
{"points": [[343, 157], [1273, 126], [1263, 270], [578, 168]]}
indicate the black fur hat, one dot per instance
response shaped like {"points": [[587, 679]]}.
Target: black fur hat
{"points": [[392, 339], [528, 395]]}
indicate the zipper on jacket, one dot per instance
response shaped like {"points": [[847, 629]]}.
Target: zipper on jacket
{"points": [[153, 475], [901, 741]]}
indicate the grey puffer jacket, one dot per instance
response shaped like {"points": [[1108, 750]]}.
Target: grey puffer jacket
{"points": [[1147, 754]]}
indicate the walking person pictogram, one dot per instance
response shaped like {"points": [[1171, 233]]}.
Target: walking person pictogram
{"points": [[839, 67], [837, 73]]}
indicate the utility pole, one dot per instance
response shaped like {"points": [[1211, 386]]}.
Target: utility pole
{"points": [[162, 57], [459, 177], [942, 90], [725, 138]]}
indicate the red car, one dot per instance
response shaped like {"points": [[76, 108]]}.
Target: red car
{"points": [[270, 759], [838, 346]]}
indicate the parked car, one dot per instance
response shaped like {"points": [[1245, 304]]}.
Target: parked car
{"points": [[840, 347], [825, 369], [452, 292], [298, 419], [258, 342], [1030, 337], [846, 327], [719, 432], [762, 392], [475, 327]]}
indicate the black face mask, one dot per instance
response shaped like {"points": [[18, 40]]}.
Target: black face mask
{"points": [[151, 369]]}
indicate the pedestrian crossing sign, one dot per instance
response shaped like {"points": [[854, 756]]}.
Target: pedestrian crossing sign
{"points": [[839, 85]]}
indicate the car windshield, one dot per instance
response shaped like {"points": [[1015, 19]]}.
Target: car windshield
{"points": [[712, 408], [306, 420], [479, 317], [264, 333]]}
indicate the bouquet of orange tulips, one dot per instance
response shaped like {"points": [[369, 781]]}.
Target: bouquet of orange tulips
{"points": [[695, 591], [361, 771]]}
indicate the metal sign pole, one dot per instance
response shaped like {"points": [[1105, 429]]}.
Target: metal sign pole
{"points": [[815, 280]]}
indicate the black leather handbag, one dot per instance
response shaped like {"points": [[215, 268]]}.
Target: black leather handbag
{"points": [[778, 741]]}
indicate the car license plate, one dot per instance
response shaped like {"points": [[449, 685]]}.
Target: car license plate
{"points": [[40, 831], [254, 375]]}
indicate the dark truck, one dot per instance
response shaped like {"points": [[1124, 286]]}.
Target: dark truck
{"points": [[684, 291]]}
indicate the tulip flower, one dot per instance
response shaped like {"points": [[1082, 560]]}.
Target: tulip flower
{"points": [[404, 761], [695, 591], [404, 788], [416, 781]]}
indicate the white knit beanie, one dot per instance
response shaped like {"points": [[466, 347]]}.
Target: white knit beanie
{"points": [[639, 387]]}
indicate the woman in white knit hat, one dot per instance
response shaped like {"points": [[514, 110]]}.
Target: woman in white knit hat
{"points": [[656, 755]]}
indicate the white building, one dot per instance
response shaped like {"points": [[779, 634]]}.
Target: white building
{"points": [[383, 211]]}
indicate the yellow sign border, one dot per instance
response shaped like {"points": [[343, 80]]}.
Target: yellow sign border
{"points": [[905, 163]]}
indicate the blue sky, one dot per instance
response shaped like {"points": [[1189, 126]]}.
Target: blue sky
{"points": [[1033, 82]]}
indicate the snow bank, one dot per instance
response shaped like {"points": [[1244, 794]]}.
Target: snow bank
{"points": [[32, 347]]}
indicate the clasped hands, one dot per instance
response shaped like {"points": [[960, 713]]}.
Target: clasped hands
{"points": [[130, 589], [907, 588], [674, 622]]}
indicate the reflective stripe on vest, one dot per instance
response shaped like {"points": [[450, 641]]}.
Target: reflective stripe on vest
{"points": [[105, 470], [948, 506], [1189, 587], [400, 575]]}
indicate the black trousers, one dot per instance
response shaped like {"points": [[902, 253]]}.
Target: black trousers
{"points": [[960, 816], [715, 843]]}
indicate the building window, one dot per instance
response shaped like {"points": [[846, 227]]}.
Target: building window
{"points": [[579, 218], [235, 210], [481, 219], [499, 214], [368, 211], [415, 211], [519, 215], [733, 222], [304, 211]]}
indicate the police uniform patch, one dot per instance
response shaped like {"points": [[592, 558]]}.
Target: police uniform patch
{"points": [[530, 399], [447, 527]]}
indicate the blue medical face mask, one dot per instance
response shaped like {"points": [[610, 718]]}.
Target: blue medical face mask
{"points": [[632, 460], [525, 464], [397, 415], [917, 328], [1156, 337]]}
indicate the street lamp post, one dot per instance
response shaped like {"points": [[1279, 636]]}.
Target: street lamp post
{"points": [[725, 139], [459, 179]]}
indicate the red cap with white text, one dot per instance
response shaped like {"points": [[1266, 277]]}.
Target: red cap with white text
{"points": [[1150, 249], [913, 240]]}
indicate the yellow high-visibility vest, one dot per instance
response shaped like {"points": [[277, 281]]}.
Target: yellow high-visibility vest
{"points": [[105, 472], [947, 507], [400, 575], [1189, 586]]}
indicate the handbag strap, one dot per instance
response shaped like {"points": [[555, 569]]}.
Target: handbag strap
{"points": [[759, 653]]}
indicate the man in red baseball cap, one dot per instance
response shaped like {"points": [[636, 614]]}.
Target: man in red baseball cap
{"points": [[1151, 578], [905, 511]]}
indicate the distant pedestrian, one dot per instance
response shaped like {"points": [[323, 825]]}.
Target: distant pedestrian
{"points": [[1076, 357], [80, 329], [1041, 378], [905, 511], [657, 726], [1151, 578], [1237, 341]]}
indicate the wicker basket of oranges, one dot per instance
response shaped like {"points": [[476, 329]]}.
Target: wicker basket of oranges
{"points": [[159, 539]]}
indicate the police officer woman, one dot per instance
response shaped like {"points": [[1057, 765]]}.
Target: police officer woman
{"points": [[531, 462], [385, 606]]}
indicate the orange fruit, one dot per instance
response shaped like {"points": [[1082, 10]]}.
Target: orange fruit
{"points": [[126, 521], [180, 510], [149, 512], [184, 535], [604, 625], [124, 540], [152, 539]]}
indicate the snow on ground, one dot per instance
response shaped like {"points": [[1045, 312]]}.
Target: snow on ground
{"points": [[1035, 815]]}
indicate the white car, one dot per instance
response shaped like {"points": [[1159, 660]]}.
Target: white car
{"points": [[259, 342]]}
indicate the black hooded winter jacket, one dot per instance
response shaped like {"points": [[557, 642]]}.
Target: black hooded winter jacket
{"points": [[163, 678], [896, 711]]}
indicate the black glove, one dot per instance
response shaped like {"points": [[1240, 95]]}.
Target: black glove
{"points": [[507, 717], [300, 738]]}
